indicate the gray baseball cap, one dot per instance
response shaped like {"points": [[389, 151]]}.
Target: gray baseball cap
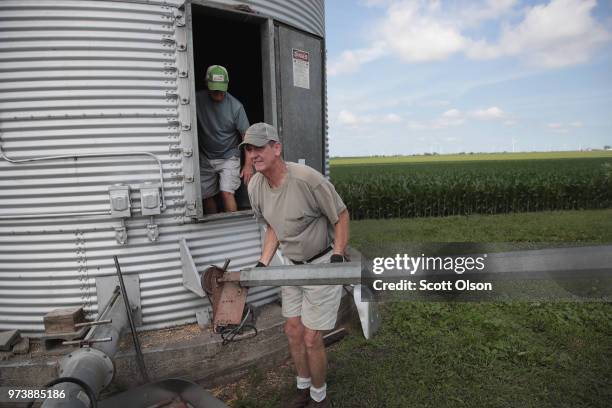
{"points": [[259, 134]]}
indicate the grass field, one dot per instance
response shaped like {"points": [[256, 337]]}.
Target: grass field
{"points": [[339, 161], [427, 186], [466, 354]]}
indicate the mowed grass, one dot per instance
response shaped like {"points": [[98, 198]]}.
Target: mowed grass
{"points": [[467, 354], [339, 161]]}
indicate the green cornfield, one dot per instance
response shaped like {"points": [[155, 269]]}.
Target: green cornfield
{"points": [[442, 188]]}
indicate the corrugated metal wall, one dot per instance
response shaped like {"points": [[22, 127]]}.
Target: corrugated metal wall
{"points": [[41, 271], [306, 15], [91, 77]]}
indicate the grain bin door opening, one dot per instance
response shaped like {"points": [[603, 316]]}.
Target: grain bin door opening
{"points": [[233, 40], [300, 111]]}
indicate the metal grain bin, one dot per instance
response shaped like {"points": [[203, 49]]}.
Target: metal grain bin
{"points": [[99, 144]]}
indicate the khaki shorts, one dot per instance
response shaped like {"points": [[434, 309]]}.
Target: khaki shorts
{"points": [[219, 175], [317, 305]]}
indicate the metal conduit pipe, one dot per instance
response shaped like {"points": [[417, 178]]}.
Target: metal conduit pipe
{"points": [[93, 365], [99, 154]]}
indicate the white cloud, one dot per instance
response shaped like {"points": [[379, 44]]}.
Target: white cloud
{"points": [[490, 10], [557, 127], [562, 127], [452, 113], [560, 33], [350, 60], [556, 34], [350, 119], [416, 36], [510, 122], [391, 118], [488, 114], [347, 118], [450, 118]]}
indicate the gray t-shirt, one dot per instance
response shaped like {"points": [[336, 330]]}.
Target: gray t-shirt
{"points": [[222, 124], [302, 211]]}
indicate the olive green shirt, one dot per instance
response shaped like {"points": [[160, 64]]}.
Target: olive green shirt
{"points": [[302, 211]]}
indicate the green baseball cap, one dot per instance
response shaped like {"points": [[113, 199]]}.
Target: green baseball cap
{"points": [[259, 134], [217, 78]]}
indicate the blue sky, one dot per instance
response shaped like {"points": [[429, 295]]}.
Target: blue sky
{"points": [[409, 77]]}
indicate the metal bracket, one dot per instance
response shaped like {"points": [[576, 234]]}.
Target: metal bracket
{"points": [[183, 91], [105, 287], [191, 276], [152, 232], [180, 36], [121, 234], [182, 65], [179, 18], [367, 311], [187, 152]]}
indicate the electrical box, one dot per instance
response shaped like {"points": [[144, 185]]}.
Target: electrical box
{"points": [[149, 199], [119, 195]]}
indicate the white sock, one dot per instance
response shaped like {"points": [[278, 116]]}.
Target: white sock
{"points": [[318, 394], [303, 383]]}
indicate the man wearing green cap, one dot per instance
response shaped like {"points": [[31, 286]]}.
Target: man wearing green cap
{"points": [[306, 217], [222, 123]]}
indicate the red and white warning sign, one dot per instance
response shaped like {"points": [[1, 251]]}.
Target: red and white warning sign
{"points": [[301, 68]]}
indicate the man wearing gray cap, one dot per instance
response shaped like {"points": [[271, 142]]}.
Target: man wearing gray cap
{"points": [[306, 217], [222, 122]]}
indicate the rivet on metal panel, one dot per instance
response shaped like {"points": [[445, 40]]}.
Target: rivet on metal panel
{"points": [[187, 152], [181, 46], [188, 178], [184, 101], [183, 74], [186, 126], [179, 22]]}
